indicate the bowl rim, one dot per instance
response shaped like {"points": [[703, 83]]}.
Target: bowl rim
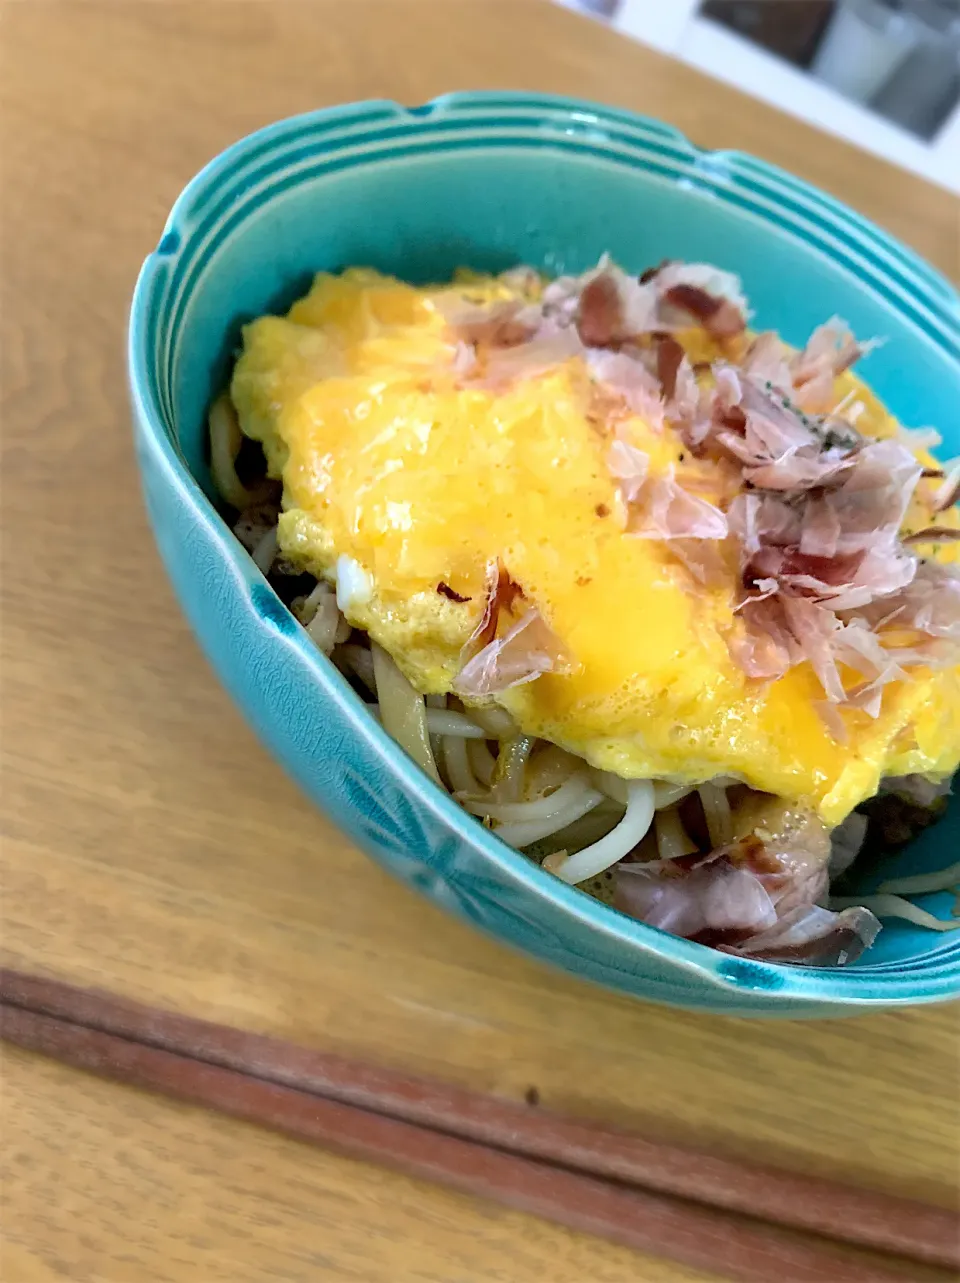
{"points": [[937, 975]]}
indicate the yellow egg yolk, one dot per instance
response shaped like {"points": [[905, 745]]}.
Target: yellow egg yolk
{"points": [[386, 459]]}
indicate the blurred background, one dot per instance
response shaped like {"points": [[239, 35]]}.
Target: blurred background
{"points": [[883, 74]]}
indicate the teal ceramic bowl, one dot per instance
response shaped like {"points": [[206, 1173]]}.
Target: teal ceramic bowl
{"points": [[491, 180]]}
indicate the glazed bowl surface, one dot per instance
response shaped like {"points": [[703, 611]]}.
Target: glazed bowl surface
{"points": [[491, 180]]}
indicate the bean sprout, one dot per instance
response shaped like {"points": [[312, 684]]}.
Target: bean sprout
{"points": [[894, 906], [922, 883]]}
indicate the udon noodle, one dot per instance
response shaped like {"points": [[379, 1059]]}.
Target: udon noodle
{"points": [[716, 860], [536, 797]]}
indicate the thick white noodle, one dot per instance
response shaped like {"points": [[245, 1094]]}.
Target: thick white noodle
{"points": [[666, 794], [525, 832], [457, 765], [549, 767], [359, 660], [673, 840], [716, 810], [632, 829], [922, 883], [615, 786], [669, 793], [443, 721], [512, 759], [894, 906], [225, 440], [325, 623], [482, 761], [542, 809], [436, 741], [402, 711], [266, 551], [497, 722], [590, 828], [310, 603]]}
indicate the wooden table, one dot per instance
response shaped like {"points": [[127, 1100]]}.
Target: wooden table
{"points": [[152, 847]]}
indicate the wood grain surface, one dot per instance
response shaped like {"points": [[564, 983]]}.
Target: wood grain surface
{"points": [[150, 845]]}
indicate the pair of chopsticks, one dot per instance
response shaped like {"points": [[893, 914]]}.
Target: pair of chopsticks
{"points": [[749, 1223]]}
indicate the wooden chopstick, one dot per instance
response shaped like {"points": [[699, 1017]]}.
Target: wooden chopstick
{"points": [[869, 1219], [230, 1070], [694, 1235]]}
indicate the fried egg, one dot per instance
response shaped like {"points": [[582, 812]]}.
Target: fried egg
{"points": [[402, 483]]}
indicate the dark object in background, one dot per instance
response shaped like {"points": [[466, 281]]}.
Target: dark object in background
{"points": [[791, 28]]}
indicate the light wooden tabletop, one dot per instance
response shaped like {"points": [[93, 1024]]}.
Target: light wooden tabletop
{"points": [[153, 848]]}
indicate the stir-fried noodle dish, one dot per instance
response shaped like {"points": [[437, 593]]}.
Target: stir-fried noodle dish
{"points": [[667, 605]]}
